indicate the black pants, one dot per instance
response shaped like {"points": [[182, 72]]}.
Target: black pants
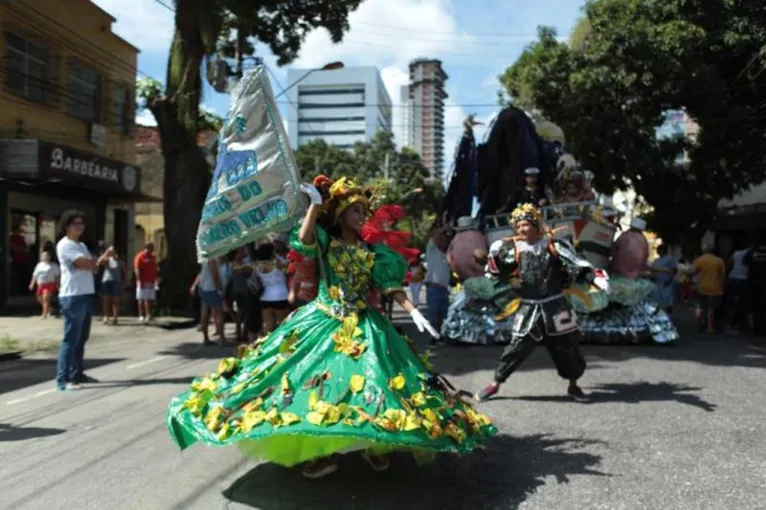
{"points": [[563, 349]]}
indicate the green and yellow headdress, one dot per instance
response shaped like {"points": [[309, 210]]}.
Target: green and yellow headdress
{"points": [[527, 212], [345, 193]]}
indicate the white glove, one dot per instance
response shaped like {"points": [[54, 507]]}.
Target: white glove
{"points": [[422, 323], [601, 280], [312, 192]]}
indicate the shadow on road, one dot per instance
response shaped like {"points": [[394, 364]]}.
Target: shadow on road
{"points": [[28, 372], [502, 476], [11, 433], [199, 351], [636, 393]]}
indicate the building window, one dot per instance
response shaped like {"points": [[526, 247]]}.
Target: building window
{"points": [[26, 64], [121, 110], [327, 133], [330, 92], [84, 92]]}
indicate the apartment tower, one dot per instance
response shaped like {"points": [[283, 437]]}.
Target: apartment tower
{"points": [[426, 113]]}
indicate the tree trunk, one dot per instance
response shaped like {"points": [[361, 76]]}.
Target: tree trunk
{"points": [[186, 182], [187, 174]]}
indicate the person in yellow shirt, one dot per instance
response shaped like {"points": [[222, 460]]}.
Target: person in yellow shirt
{"points": [[711, 272]]}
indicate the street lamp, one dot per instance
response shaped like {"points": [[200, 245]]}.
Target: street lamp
{"points": [[332, 66]]}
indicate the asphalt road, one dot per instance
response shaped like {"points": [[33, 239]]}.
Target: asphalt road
{"points": [[669, 428]]}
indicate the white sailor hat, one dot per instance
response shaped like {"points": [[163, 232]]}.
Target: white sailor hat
{"points": [[532, 171]]}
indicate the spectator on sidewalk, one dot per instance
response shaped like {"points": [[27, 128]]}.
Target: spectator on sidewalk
{"points": [[113, 280], [272, 270], [211, 289], [147, 279], [711, 272], [664, 271], [736, 291], [76, 299], [755, 260], [46, 278], [438, 276]]}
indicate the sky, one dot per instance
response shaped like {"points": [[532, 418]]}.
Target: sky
{"points": [[476, 40]]}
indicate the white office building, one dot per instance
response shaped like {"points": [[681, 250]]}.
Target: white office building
{"points": [[341, 107]]}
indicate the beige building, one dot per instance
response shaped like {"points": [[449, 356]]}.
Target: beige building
{"points": [[425, 113], [66, 120]]}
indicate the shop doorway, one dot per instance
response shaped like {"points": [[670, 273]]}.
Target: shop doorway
{"points": [[23, 247]]}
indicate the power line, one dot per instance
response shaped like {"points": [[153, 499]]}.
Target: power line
{"points": [[166, 6]]}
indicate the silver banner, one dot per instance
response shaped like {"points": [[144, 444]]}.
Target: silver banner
{"points": [[254, 191]]}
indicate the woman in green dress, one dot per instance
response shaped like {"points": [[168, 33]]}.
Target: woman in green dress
{"points": [[336, 376]]}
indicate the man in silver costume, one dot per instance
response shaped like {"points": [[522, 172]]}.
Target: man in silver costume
{"points": [[545, 268]]}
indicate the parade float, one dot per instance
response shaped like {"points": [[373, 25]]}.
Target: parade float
{"points": [[523, 162]]}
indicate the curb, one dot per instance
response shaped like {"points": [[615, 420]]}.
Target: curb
{"points": [[10, 356]]}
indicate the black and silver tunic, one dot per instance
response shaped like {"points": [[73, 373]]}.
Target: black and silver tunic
{"points": [[545, 269]]}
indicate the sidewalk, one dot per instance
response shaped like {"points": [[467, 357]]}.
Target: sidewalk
{"points": [[33, 334]]}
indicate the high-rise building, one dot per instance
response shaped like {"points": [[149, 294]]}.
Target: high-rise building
{"points": [[426, 96], [341, 106], [405, 116]]}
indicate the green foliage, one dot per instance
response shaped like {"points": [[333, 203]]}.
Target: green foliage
{"points": [[398, 176], [630, 61]]}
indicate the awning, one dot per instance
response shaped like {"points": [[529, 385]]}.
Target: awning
{"points": [[41, 163]]}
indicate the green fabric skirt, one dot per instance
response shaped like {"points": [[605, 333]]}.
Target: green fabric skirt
{"points": [[326, 382]]}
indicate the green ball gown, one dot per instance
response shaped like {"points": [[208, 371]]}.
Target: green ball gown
{"points": [[333, 378]]}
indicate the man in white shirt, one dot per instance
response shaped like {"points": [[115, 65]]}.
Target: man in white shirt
{"points": [[438, 276], [76, 299]]}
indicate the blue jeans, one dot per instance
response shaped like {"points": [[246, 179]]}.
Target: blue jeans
{"points": [[437, 300], [77, 312]]}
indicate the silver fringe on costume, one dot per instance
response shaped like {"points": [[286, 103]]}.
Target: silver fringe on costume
{"points": [[644, 322]]}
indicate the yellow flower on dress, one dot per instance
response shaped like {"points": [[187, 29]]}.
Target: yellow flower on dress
{"points": [[412, 422], [288, 418], [214, 418], [418, 399], [313, 399], [195, 405], [454, 432], [227, 365], [386, 423], [251, 419], [356, 383], [253, 405], [324, 413], [397, 383], [285, 383], [204, 384], [334, 293], [397, 416], [224, 433]]}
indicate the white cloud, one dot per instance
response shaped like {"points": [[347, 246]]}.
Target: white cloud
{"points": [[145, 118], [371, 38], [143, 23]]}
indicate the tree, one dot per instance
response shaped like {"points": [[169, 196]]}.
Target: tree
{"points": [[208, 31], [630, 63]]}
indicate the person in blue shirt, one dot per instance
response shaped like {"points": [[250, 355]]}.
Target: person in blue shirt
{"points": [[664, 270]]}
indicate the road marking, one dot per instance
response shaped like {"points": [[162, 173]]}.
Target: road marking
{"points": [[24, 399], [52, 390], [147, 362]]}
